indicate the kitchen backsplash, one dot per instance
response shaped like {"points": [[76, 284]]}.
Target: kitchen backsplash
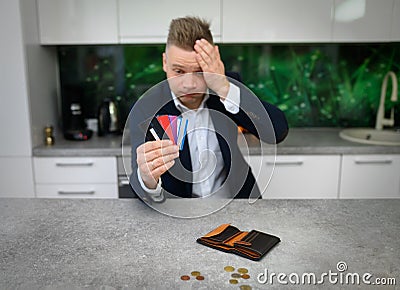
{"points": [[317, 85]]}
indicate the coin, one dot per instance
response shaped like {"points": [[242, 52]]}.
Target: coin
{"points": [[245, 287], [199, 277], [243, 270], [245, 276], [233, 281], [195, 273], [185, 277], [229, 269], [236, 275]]}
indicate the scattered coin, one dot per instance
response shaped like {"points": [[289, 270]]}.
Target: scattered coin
{"points": [[245, 276], [229, 269], [233, 281], [195, 273], [243, 270], [236, 275], [185, 277], [199, 277], [245, 287]]}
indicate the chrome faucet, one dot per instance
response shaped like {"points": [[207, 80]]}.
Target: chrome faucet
{"points": [[380, 116]]}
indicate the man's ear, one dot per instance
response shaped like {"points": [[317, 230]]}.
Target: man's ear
{"points": [[164, 61]]}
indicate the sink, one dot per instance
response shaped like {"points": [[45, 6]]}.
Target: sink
{"points": [[371, 136]]}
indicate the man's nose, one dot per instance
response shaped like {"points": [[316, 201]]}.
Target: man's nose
{"points": [[189, 81]]}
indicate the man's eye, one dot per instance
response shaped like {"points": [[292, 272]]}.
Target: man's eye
{"points": [[178, 71]]}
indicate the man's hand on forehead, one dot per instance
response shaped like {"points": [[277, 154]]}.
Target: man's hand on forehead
{"points": [[209, 59], [207, 56]]}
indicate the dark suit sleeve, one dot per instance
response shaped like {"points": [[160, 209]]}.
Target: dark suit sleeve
{"points": [[142, 113], [264, 120], [137, 137]]}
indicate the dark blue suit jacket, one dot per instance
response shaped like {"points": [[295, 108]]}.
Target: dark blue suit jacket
{"points": [[253, 116]]}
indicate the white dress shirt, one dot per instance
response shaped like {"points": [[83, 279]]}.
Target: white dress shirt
{"points": [[207, 163]]}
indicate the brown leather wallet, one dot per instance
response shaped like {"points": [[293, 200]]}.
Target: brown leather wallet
{"points": [[252, 245]]}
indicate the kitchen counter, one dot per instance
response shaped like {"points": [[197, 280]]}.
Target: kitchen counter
{"points": [[298, 141], [95, 146], [124, 244]]}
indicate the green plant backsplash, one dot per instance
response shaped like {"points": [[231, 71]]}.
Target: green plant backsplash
{"points": [[316, 85]]}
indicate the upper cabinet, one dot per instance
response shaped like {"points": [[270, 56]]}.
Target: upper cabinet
{"points": [[232, 21], [362, 20], [396, 21], [78, 22], [148, 21], [276, 21]]}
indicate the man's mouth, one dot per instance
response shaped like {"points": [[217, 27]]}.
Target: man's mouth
{"points": [[191, 95]]}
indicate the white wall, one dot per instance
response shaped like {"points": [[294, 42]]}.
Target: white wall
{"points": [[42, 74], [14, 117], [26, 70], [16, 174]]}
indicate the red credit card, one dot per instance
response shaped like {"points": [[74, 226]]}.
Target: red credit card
{"points": [[165, 123]]}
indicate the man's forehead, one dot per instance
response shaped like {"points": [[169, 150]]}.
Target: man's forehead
{"points": [[184, 63], [181, 58], [191, 67]]}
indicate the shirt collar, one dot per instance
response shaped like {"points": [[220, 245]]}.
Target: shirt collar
{"points": [[182, 108]]}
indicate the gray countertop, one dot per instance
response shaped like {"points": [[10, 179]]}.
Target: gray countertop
{"points": [[298, 141], [124, 244]]}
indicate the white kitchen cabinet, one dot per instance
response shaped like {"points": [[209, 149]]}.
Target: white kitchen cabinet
{"points": [[370, 176], [297, 176], [148, 21], [362, 20], [14, 117], [71, 177], [16, 176], [78, 22], [276, 21], [395, 31], [76, 190]]}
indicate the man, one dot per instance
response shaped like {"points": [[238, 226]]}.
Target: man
{"points": [[214, 106]]}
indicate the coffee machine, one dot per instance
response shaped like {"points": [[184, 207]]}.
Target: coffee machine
{"points": [[74, 126]]}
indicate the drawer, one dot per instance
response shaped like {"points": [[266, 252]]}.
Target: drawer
{"points": [[76, 190], [75, 170], [370, 176], [297, 176]]}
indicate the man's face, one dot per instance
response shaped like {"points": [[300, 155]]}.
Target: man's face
{"points": [[184, 76]]}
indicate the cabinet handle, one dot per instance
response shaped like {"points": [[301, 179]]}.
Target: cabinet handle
{"points": [[124, 182], [59, 164], [285, 163], [76, 192], [386, 161]]}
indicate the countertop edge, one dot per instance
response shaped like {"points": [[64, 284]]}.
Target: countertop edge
{"points": [[300, 141]]}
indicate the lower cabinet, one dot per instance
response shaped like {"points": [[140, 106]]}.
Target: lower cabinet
{"points": [[327, 176], [75, 177], [370, 176], [280, 177], [16, 177], [76, 190], [297, 176]]}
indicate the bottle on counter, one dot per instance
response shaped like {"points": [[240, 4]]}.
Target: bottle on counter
{"points": [[49, 138]]}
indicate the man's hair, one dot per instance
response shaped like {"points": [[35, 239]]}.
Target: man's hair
{"points": [[183, 32]]}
